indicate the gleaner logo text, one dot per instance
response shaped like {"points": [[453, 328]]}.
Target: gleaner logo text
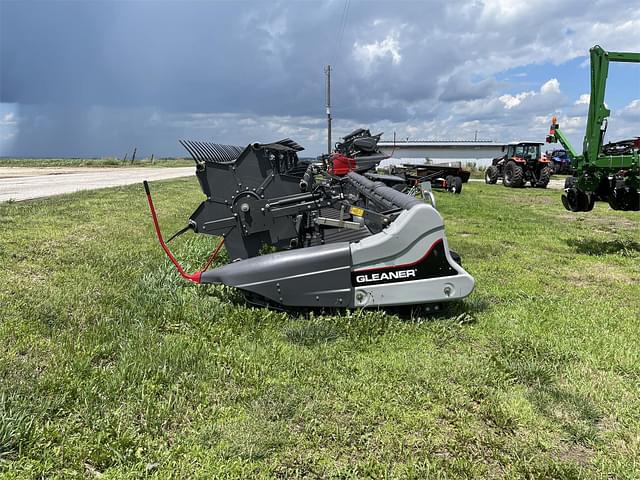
{"points": [[382, 276]]}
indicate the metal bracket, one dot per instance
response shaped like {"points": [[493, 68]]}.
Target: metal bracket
{"points": [[427, 193], [332, 222]]}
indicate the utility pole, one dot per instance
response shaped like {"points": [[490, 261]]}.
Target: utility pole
{"points": [[327, 72]]}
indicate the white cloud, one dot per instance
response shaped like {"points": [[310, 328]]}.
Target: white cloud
{"points": [[573, 125], [549, 93], [632, 110], [551, 86], [275, 42], [623, 123], [8, 118], [369, 53], [247, 121], [9, 127], [511, 101], [583, 99]]}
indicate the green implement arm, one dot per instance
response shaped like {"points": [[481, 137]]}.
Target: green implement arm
{"points": [[602, 172]]}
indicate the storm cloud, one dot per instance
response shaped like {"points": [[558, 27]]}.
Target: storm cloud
{"points": [[100, 77]]}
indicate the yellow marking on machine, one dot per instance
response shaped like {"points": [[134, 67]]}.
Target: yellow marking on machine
{"points": [[357, 211]]}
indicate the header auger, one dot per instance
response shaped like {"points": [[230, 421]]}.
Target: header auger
{"points": [[609, 172], [342, 239]]}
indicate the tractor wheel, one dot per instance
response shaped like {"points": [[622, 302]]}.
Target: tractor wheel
{"points": [[545, 176], [449, 180], [491, 175], [570, 182], [513, 175], [455, 186], [624, 198], [576, 200]]}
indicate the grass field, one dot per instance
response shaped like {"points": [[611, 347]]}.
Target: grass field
{"points": [[93, 162], [112, 366]]}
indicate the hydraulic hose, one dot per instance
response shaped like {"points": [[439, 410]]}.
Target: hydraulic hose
{"points": [[194, 277]]}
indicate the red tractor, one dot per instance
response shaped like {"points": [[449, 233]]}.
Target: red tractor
{"points": [[520, 164]]}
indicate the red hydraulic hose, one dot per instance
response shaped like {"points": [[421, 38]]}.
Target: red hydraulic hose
{"points": [[213, 256], [194, 277]]}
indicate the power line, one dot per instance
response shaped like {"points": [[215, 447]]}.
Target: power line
{"points": [[342, 26]]}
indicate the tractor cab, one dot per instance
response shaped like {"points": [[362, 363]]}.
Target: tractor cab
{"points": [[523, 152]]}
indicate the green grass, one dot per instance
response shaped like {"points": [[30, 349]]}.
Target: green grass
{"points": [[110, 364], [94, 162]]}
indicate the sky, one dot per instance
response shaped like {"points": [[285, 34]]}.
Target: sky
{"points": [[99, 78]]}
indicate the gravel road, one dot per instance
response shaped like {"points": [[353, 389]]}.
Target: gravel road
{"points": [[24, 183]]}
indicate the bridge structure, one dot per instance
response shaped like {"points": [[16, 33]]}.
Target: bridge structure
{"points": [[472, 151]]}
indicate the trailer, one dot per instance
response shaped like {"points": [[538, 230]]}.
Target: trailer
{"points": [[444, 176]]}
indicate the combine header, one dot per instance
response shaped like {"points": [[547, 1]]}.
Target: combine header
{"points": [[342, 239], [609, 172]]}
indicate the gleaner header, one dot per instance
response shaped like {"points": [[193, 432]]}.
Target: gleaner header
{"points": [[343, 233]]}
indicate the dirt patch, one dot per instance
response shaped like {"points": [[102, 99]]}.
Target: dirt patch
{"points": [[540, 200], [575, 453], [597, 274], [613, 223], [607, 424], [608, 222]]}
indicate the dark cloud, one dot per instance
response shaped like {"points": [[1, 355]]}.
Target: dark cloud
{"points": [[99, 77], [458, 88], [219, 56]]}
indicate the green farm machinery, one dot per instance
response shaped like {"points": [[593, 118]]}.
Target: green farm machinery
{"points": [[608, 172]]}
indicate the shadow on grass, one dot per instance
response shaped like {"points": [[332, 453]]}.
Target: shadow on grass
{"points": [[538, 368], [435, 311], [310, 327], [308, 334], [408, 313], [624, 247], [574, 413], [317, 327], [467, 308]]}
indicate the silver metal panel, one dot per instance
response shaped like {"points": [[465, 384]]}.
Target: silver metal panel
{"points": [[398, 238]]}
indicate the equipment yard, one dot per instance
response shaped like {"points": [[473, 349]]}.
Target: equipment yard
{"points": [[115, 365], [363, 240]]}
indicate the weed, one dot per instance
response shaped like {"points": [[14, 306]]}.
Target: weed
{"points": [[15, 429]]}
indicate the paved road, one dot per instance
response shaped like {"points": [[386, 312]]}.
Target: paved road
{"points": [[554, 184], [24, 183]]}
